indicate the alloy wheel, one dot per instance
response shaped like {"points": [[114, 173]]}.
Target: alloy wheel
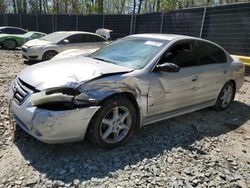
{"points": [[115, 125], [226, 96]]}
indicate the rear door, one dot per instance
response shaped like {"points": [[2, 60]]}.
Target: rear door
{"points": [[214, 66], [73, 42], [91, 41], [82, 41]]}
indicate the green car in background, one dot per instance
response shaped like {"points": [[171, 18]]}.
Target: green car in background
{"points": [[11, 41]]}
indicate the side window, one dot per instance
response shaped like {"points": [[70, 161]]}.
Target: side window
{"points": [[13, 31], [77, 38], [36, 35], [94, 38], [210, 54], [180, 54], [7, 31], [19, 31]]}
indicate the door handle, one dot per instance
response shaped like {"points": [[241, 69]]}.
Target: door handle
{"points": [[195, 78]]}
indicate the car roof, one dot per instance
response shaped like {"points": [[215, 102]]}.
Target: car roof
{"points": [[168, 37], [75, 32], [3, 27]]}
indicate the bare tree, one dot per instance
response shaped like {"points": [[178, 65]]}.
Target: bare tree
{"points": [[99, 6], [74, 4], [2, 7], [14, 6], [139, 7], [119, 5]]}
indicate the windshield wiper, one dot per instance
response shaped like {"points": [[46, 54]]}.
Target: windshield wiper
{"points": [[105, 60]]}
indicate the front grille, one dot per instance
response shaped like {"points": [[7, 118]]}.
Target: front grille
{"points": [[24, 49], [21, 91]]}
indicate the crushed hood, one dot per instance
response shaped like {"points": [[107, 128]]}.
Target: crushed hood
{"points": [[67, 72], [37, 42]]}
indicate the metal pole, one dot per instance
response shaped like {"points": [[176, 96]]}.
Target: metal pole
{"points": [[162, 21], [4, 22], [53, 25], [134, 24], [20, 20], [103, 21], [37, 26], [131, 24], [56, 22], [203, 20], [77, 22]]}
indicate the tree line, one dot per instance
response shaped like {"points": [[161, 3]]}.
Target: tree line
{"points": [[102, 6]]}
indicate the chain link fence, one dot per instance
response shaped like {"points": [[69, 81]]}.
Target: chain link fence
{"points": [[227, 25]]}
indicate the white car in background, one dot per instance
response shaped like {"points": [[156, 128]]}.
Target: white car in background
{"points": [[72, 53], [48, 46]]}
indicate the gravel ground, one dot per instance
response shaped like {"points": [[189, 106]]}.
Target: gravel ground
{"points": [[201, 149]]}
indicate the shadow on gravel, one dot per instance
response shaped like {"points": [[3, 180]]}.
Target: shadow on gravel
{"points": [[17, 49], [84, 161], [30, 62]]}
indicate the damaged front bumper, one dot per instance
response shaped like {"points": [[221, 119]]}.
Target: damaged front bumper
{"points": [[52, 126]]}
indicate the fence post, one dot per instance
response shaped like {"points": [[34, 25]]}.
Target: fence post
{"points": [[77, 22], [20, 20], [37, 27], [4, 22], [6, 19], [134, 24], [55, 22], [131, 24], [103, 21], [162, 21], [203, 20]]}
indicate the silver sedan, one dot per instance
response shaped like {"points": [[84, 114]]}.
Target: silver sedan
{"points": [[48, 46], [132, 82]]}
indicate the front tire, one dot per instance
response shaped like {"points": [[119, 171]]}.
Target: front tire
{"points": [[225, 97], [9, 44], [113, 124], [49, 55]]}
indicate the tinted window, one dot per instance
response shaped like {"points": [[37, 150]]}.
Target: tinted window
{"points": [[81, 38], [14, 31], [210, 54], [93, 38], [180, 54], [78, 38], [56, 36]]}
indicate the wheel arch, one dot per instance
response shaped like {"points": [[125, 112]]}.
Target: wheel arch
{"points": [[10, 38], [131, 98], [48, 50]]}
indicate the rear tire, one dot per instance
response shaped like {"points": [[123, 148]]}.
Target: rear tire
{"points": [[113, 124], [49, 55], [225, 97], [9, 44]]}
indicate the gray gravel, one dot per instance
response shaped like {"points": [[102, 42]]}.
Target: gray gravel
{"points": [[201, 149]]}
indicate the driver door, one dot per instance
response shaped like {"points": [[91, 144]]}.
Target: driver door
{"points": [[171, 91]]}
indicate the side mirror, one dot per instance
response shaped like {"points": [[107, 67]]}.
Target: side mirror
{"points": [[168, 67], [65, 41]]}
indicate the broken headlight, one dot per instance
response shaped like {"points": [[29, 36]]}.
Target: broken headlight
{"points": [[61, 99]]}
